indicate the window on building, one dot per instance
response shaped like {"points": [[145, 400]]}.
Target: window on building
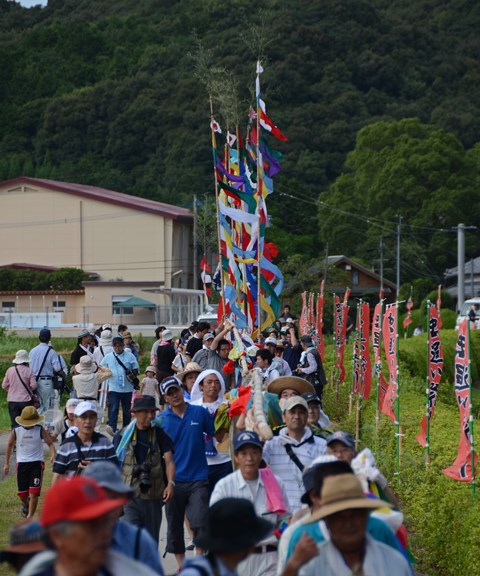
{"points": [[59, 304], [117, 308], [355, 278], [8, 306]]}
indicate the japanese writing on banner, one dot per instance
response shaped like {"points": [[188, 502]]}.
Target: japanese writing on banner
{"points": [[338, 318], [377, 356], [389, 330], [362, 375], [304, 316], [320, 340], [461, 469], [435, 369], [311, 313]]}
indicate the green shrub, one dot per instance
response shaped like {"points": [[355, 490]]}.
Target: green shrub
{"points": [[443, 525]]}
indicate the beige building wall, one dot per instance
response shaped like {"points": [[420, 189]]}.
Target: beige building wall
{"points": [[52, 228]]}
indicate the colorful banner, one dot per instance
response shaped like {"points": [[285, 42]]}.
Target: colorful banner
{"points": [[435, 369], [389, 330], [320, 340], [303, 324], [364, 345], [461, 469], [311, 313], [377, 356]]}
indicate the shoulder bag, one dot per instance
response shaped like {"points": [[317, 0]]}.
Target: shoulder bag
{"points": [[131, 376], [33, 395]]}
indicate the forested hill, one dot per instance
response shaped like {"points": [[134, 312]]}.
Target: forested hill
{"points": [[104, 92]]}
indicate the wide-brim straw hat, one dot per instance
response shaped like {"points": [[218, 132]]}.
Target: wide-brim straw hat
{"points": [[300, 385], [21, 357], [86, 365], [344, 492], [29, 417], [190, 368]]}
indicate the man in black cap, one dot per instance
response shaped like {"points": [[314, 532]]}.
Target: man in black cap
{"points": [[233, 531], [146, 459], [256, 485]]}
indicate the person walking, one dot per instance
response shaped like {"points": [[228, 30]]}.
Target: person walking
{"points": [[232, 533], [123, 366], [44, 363], [20, 384], [145, 454], [264, 490], [28, 437]]}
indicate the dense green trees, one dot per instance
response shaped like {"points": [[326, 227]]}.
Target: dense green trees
{"points": [[105, 93]]}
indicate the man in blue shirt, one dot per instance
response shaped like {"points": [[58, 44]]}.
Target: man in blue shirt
{"points": [[119, 387], [186, 426], [44, 362]]}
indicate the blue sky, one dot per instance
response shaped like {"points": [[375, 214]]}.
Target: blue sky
{"points": [[28, 3]]}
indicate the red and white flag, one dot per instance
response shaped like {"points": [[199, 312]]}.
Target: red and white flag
{"points": [[267, 124], [408, 318], [435, 369], [461, 469], [231, 139], [215, 126], [389, 330]]}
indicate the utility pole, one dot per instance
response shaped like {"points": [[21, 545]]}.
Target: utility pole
{"points": [[461, 262], [399, 225], [195, 216]]}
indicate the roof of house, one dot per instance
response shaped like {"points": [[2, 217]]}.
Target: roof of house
{"points": [[104, 195], [341, 259], [450, 272]]}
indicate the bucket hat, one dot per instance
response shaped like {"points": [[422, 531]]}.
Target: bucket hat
{"points": [[29, 417], [21, 357]]}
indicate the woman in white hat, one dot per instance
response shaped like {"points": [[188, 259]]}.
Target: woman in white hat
{"points": [[105, 346], [88, 378], [19, 382]]}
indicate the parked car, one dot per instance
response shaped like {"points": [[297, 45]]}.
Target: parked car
{"points": [[209, 314], [468, 305]]}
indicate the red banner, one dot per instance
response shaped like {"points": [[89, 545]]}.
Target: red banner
{"points": [[377, 356], [364, 344], [320, 341], [435, 369], [389, 330], [461, 469], [408, 318], [311, 313], [339, 347], [439, 305], [304, 316]]}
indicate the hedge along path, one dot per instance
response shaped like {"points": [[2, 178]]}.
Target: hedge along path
{"points": [[442, 519]]}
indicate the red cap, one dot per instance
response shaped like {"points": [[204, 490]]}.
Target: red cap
{"points": [[76, 500]]}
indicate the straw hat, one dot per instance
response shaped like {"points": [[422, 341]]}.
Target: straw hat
{"points": [[21, 357], [29, 417], [190, 368], [300, 385], [344, 492], [86, 365]]}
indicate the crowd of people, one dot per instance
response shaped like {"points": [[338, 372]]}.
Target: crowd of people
{"points": [[187, 443]]}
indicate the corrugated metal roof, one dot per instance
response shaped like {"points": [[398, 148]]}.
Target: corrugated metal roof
{"points": [[104, 195]]}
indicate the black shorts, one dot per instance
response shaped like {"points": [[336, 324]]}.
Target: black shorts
{"points": [[29, 477]]}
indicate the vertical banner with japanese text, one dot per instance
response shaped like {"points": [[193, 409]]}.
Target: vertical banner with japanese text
{"points": [[389, 330], [461, 469], [377, 349], [435, 369], [304, 316], [320, 340]]}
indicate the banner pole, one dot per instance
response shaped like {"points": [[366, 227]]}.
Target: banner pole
{"points": [[334, 371], [427, 389], [397, 403], [470, 415]]}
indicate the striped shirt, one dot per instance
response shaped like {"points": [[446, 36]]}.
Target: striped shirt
{"points": [[276, 456], [68, 455]]}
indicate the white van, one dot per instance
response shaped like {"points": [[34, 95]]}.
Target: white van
{"points": [[465, 309]]}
